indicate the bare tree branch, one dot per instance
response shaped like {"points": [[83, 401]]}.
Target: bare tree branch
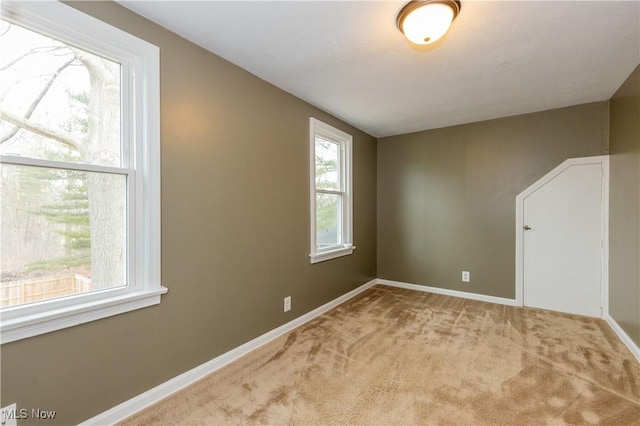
{"points": [[31, 52], [38, 98], [62, 137]]}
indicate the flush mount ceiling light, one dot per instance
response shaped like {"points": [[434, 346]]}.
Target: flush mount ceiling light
{"points": [[424, 22]]}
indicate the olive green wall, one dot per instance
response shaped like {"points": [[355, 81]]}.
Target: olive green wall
{"points": [[235, 237], [624, 207], [235, 223], [446, 197]]}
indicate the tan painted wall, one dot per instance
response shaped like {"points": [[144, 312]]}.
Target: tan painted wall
{"points": [[235, 237], [624, 228], [446, 197]]}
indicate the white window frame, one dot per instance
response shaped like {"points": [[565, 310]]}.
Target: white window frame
{"points": [[140, 63], [345, 141]]}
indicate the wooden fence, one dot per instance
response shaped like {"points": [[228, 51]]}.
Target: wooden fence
{"points": [[20, 292]]}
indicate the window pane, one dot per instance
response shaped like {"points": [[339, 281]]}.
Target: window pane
{"points": [[58, 102], [328, 220], [63, 233], [327, 164]]}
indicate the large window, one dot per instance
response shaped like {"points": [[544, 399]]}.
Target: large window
{"points": [[331, 213], [79, 163]]}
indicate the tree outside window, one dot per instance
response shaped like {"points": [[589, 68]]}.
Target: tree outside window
{"points": [[61, 217]]}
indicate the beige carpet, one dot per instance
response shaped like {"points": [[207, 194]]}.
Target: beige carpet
{"points": [[394, 356]]}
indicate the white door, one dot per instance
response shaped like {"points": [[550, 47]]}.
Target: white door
{"points": [[562, 242]]}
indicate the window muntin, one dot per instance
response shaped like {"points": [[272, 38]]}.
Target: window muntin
{"points": [[133, 167], [331, 217]]}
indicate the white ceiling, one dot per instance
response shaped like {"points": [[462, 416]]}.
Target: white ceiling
{"points": [[348, 58]]}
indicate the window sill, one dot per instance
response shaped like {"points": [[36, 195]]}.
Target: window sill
{"points": [[45, 322], [332, 254]]}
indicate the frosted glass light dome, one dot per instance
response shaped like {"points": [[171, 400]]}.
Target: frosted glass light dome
{"points": [[424, 22]]}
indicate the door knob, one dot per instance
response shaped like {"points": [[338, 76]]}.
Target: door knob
{"points": [[526, 228]]}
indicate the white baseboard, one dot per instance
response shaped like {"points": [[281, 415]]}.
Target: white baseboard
{"points": [[447, 292], [132, 406], [635, 350]]}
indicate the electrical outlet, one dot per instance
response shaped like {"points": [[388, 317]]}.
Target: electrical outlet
{"points": [[9, 415], [287, 303], [465, 276]]}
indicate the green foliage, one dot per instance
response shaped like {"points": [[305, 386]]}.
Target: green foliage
{"points": [[326, 212], [324, 166], [62, 262], [70, 210]]}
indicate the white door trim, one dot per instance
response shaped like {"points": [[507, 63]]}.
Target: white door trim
{"points": [[603, 160]]}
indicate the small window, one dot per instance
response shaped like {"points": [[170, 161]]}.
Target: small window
{"points": [[331, 197], [79, 163]]}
